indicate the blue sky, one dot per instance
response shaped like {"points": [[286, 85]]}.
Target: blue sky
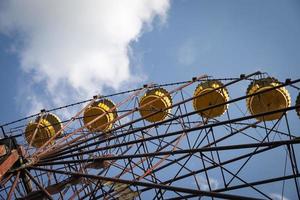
{"points": [[186, 39], [219, 38]]}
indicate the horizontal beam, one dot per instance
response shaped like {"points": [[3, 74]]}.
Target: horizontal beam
{"points": [[173, 133], [189, 151], [151, 185]]}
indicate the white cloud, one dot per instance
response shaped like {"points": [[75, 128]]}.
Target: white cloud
{"points": [[75, 48], [214, 184], [277, 196]]}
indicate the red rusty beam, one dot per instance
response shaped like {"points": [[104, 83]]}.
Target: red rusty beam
{"points": [[2, 150], [13, 187], [8, 162]]}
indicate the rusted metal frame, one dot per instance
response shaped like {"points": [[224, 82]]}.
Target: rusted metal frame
{"points": [[151, 185], [125, 169], [38, 184], [160, 146], [8, 162], [252, 183], [161, 160], [89, 188], [82, 168], [228, 136], [284, 172], [174, 140], [31, 116], [92, 190], [149, 163], [55, 178], [12, 189], [218, 156], [104, 193], [189, 157], [88, 100], [223, 163], [247, 160], [211, 107], [170, 93], [261, 182], [36, 129], [134, 178], [84, 186], [181, 168], [214, 163], [176, 132], [110, 110], [38, 177], [157, 151], [183, 126], [76, 139], [177, 140], [42, 149], [128, 113], [120, 167], [293, 159], [262, 127], [92, 193], [185, 151], [202, 149], [206, 174], [265, 126], [293, 169], [3, 132], [131, 170], [4, 151], [25, 180], [142, 145], [182, 165], [211, 161], [189, 144], [154, 179], [81, 128], [207, 133], [242, 132], [225, 85], [230, 124], [150, 170], [18, 190], [4, 191], [228, 171], [5, 180], [135, 165], [185, 109], [277, 131], [168, 144]]}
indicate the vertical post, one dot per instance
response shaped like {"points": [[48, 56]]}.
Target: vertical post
{"points": [[3, 132]]}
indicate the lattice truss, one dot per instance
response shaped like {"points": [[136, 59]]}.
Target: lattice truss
{"points": [[204, 138]]}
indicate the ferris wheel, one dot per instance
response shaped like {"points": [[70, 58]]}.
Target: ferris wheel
{"points": [[204, 138]]}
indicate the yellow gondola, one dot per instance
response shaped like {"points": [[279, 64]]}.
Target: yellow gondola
{"points": [[104, 107], [209, 96], [43, 128], [298, 104], [268, 101], [154, 100]]}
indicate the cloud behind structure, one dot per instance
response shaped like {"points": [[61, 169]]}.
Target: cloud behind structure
{"points": [[73, 49]]}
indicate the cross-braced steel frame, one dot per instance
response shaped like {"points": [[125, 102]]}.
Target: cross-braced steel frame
{"points": [[185, 156]]}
